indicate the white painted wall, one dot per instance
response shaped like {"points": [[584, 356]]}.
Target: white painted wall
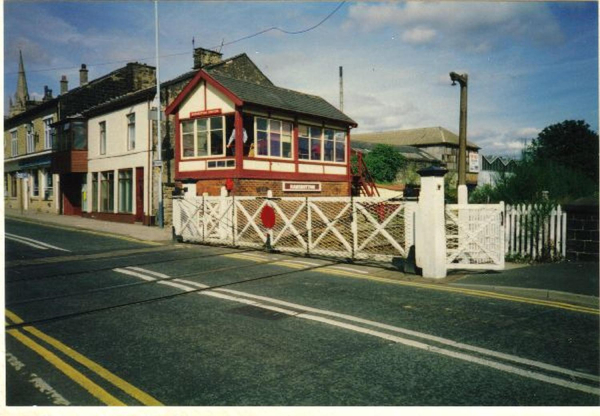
{"points": [[118, 156], [214, 99]]}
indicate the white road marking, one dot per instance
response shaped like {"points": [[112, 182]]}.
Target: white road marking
{"points": [[48, 390], [136, 274], [150, 272], [38, 383], [176, 285], [189, 282], [404, 341], [26, 243], [24, 240], [434, 338], [348, 269]]}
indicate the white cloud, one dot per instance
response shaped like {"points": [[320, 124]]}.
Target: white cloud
{"points": [[474, 27], [419, 35]]}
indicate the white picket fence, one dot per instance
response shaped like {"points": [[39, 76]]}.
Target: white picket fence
{"points": [[531, 233]]}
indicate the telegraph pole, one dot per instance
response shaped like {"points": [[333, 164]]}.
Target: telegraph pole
{"points": [[159, 161], [463, 80]]}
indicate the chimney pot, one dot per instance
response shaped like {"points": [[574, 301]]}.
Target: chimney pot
{"points": [[64, 85], [83, 75]]}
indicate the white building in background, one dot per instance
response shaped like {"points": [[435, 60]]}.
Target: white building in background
{"points": [[120, 176]]}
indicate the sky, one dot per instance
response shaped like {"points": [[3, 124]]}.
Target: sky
{"points": [[530, 64]]}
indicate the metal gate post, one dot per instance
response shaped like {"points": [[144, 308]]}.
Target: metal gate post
{"points": [[354, 227], [430, 248], [308, 228]]}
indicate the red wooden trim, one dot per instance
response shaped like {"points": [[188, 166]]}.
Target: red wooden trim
{"points": [[314, 162], [296, 146], [205, 95], [348, 162], [206, 158], [239, 140], [229, 114], [178, 144], [250, 174], [201, 75]]}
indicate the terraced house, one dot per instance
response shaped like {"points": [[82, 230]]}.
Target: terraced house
{"points": [[45, 142]]}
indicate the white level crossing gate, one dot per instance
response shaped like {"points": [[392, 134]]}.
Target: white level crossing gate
{"points": [[445, 236], [475, 236], [352, 228]]}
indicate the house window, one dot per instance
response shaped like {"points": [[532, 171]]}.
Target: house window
{"points": [[30, 139], [13, 185], [35, 183], [273, 138], [334, 146], [14, 143], [203, 137], [131, 131], [94, 192], [107, 195], [48, 185], [125, 191], [102, 126], [48, 133], [6, 179]]}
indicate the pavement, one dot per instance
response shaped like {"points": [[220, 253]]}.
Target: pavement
{"points": [[569, 282]]}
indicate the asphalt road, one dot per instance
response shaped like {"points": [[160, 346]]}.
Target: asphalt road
{"points": [[101, 320]]}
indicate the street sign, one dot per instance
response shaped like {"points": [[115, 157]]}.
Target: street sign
{"points": [[21, 175], [157, 163]]}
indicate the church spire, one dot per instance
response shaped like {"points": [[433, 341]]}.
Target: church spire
{"points": [[22, 95]]}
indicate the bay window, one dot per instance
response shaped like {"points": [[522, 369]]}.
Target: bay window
{"points": [[203, 137], [35, 183]]}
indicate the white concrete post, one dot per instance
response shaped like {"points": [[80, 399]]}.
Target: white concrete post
{"points": [[463, 195], [430, 241]]}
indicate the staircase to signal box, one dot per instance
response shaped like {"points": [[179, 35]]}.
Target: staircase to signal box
{"points": [[363, 183]]}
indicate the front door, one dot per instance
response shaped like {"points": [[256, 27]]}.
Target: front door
{"points": [[139, 194]]}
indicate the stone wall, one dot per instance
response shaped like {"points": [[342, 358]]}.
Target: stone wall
{"points": [[582, 230]]}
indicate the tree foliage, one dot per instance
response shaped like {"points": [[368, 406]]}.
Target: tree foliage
{"points": [[571, 144], [562, 160], [384, 162]]}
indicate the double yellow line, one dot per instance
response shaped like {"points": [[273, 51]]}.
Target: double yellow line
{"points": [[71, 372]]}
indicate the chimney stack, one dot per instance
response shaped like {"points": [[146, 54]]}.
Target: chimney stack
{"points": [[204, 57], [83, 75], [64, 85], [47, 93]]}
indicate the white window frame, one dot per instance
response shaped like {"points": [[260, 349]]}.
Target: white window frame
{"points": [[270, 131], [130, 131], [48, 134], [102, 134], [323, 140], [30, 139], [35, 177], [209, 152], [14, 142]]}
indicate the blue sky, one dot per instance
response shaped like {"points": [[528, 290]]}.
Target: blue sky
{"points": [[530, 64]]}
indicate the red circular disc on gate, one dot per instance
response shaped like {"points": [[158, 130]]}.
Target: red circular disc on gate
{"points": [[267, 215]]}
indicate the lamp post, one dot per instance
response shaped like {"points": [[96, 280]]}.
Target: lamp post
{"points": [[462, 79]]}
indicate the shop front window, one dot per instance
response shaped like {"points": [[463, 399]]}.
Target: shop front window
{"points": [[107, 186], [125, 191]]}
